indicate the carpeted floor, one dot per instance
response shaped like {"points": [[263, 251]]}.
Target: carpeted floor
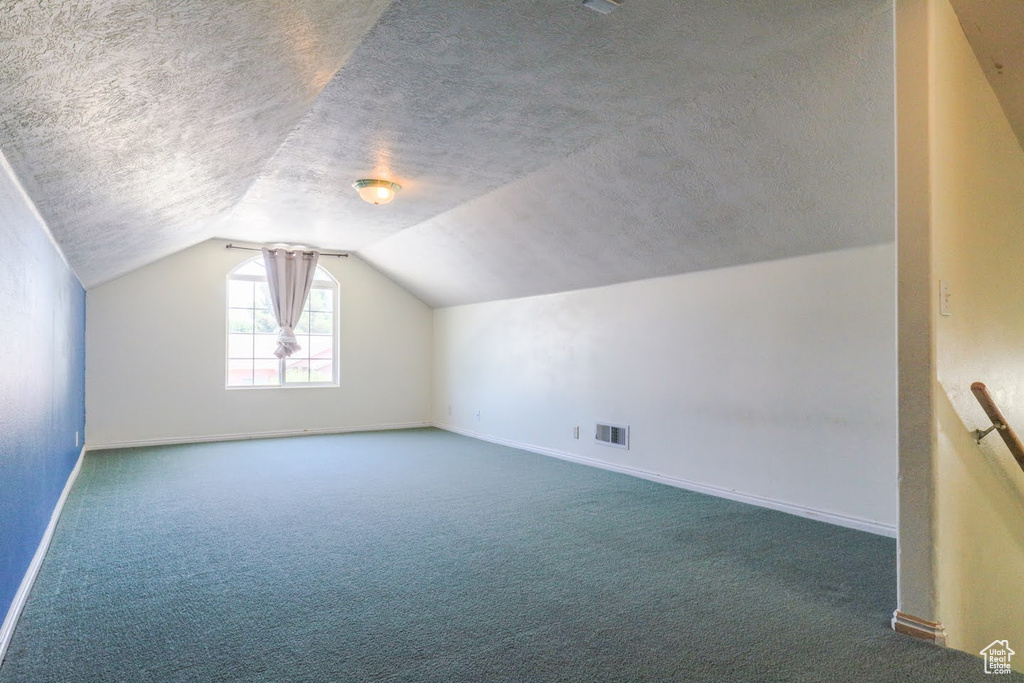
{"points": [[425, 556]]}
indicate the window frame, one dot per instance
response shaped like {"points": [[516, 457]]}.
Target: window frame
{"points": [[331, 283]]}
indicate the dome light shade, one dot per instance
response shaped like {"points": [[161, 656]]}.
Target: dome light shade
{"points": [[376, 191]]}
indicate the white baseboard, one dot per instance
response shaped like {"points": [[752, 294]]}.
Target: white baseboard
{"points": [[173, 441], [858, 523], [21, 596]]}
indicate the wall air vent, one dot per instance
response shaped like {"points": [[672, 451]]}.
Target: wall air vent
{"points": [[602, 6], [612, 435]]}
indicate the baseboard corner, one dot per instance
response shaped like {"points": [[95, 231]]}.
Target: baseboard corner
{"points": [[922, 629]]}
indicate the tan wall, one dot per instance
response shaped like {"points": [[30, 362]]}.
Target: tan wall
{"points": [[977, 209]]}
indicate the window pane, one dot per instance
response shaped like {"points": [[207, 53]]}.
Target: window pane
{"points": [[253, 329], [253, 267], [239, 373], [266, 323], [265, 345], [297, 370], [266, 372], [240, 294], [321, 300], [321, 323], [321, 347], [321, 371], [240, 320], [303, 326], [262, 296], [239, 346], [303, 351]]}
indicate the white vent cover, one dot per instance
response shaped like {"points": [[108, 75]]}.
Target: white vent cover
{"points": [[612, 435], [602, 6]]}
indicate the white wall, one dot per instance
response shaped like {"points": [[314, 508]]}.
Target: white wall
{"points": [[775, 379], [977, 208], [155, 356]]}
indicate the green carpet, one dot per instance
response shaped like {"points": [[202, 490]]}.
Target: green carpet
{"points": [[425, 556]]}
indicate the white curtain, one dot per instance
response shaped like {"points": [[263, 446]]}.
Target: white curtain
{"points": [[290, 276]]}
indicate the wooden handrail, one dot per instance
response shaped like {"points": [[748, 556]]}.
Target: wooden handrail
{"points": [[999, 423]]}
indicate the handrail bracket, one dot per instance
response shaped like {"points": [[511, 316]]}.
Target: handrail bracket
{"points": [[999, 423], [979, 434]]}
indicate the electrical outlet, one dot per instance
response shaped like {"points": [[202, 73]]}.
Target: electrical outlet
{"points": [[945, 294], [478, 416], [76, 438], [576, 432]]}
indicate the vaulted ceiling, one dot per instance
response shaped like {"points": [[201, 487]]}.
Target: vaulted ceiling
{"points": [[541, 146]]}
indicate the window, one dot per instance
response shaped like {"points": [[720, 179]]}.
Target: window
{"points": [[252, 332]]}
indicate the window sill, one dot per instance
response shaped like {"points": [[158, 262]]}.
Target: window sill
{"points": [[324, 385]]}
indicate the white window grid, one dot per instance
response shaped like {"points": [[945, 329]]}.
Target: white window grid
{"points": [[319, 282]]}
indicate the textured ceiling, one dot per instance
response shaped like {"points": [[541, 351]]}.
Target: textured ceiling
{"points": [[132, 124], [995, 29], [541, 146], [738, 148]]}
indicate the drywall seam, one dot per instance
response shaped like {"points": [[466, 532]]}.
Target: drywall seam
{"points": [[254, 435], [850, 522], [21, 597]]}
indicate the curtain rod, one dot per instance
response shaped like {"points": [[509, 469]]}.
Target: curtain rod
{"points": [[235, 246]]}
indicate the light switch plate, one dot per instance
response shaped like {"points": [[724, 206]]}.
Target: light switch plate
{"points": [[945, 294]]}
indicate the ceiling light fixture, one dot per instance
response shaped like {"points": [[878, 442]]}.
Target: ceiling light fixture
{"points": [[376, 191]]}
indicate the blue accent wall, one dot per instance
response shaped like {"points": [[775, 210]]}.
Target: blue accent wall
{"points": [[42, 383]]}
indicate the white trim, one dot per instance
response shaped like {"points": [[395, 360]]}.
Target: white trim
{"points": [[880, 528], [21, 596], [175, 440]]}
